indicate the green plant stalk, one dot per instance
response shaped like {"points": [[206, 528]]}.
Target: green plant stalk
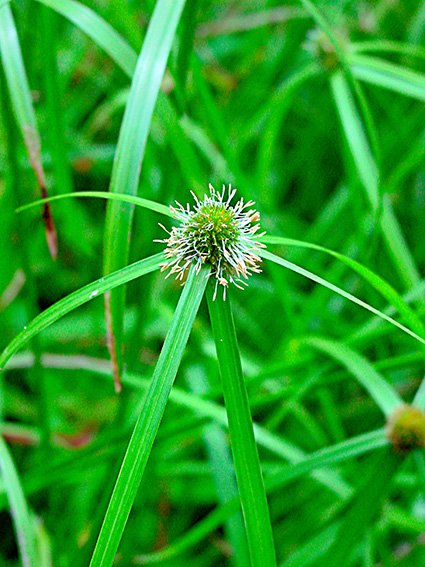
{"points": [[147, 425], [244, 448], [220, 460]]}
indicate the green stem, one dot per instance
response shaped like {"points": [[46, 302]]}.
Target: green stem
{"points": [[244, 448], [218, 450]]}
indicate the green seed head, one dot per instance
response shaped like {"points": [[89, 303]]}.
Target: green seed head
{"points": [[406, 429], [218, 234]]}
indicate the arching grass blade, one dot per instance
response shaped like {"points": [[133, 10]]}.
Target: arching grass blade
{"points": [[336, 289], [369, 174], [99, 30], [389, 76], [78, 298], [147, 425], [380, 285], [356, 138], [139, 201]]}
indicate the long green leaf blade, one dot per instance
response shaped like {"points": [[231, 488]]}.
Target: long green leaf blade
{"points": [[244, 449], [147, 425], [20, 95], [328, 456], [309, 552], [21, 516], [336, 289], [369, 175], [380, 285], [99, 30], [375, 384], [139, 201], [389, 76], [129, 156], [356, 138], [78, 298], [387, 46]]}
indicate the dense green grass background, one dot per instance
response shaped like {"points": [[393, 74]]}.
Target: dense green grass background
{"points": [[316, 112]]}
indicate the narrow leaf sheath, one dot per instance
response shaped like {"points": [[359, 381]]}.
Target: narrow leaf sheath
{"points": [[244, 448], [147, 425]]}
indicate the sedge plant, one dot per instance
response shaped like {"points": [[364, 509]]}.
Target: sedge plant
{"points": [[216, 245]]}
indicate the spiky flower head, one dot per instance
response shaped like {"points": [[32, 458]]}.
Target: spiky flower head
{"points": [[217, 234], [406, 428]]}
